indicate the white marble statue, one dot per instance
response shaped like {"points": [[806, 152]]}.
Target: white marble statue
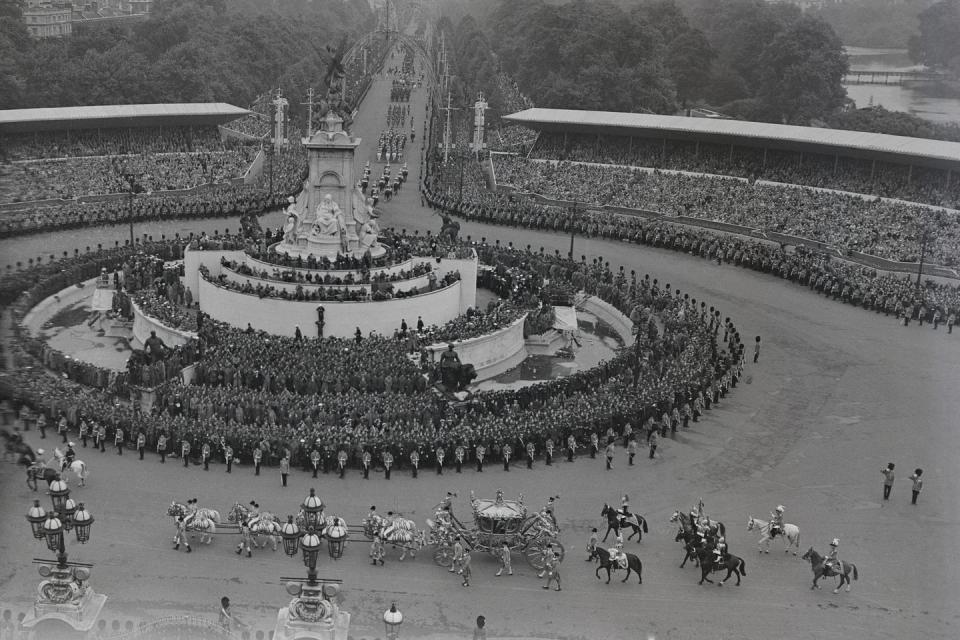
{"points": [[292, 225]]}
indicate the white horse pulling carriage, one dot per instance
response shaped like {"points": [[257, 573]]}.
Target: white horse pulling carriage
{"points": [[396, 531], [261, 523], [197, 519]]}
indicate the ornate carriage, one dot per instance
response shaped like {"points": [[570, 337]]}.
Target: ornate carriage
{"points": [[496, 522]]}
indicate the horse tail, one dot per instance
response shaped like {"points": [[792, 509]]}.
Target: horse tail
{"points": [[743, 567], [856, 575], [643, 523]]}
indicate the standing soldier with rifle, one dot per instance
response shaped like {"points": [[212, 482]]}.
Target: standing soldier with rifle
{"points": [[342, 461], [367, 459], [387, 463], [141, 443], [530, 453], [162, 447], [440, 456], [481, 450], [415, 461], [315, 461], [185, 452], [205, 454], [458, 454], [549, 447], [118, 440], [507, 451], [228, 456], [258, 458]]}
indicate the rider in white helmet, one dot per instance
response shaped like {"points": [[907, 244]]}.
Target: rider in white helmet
{"points": [[832, 560], [776, 521]]}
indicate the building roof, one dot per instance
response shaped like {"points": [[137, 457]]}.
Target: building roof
{"points": [[859, 143], [118, 115]]}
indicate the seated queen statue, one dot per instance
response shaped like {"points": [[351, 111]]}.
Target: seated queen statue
{"points": [[328, 226]]}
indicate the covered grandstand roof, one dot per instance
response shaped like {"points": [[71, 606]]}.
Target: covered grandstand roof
{"points": [[118, 116], [859, 143]]}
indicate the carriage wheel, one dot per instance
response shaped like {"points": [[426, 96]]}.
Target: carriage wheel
{"points": [[443, 555], [533, 551]]}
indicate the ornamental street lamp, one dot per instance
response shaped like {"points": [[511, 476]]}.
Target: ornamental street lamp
{"points": [[309, 542], [312, 510], [336, 535], [64, 596], [392, 619]]}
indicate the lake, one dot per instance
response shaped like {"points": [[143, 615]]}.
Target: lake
{"points": [[895, 97]]}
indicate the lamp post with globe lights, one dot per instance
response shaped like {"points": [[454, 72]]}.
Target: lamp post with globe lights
{"points": [[66, 605], [392, 619], [313, 611]]}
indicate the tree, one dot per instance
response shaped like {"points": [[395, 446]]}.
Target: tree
{"points": [[801, 73], [938, 43]]}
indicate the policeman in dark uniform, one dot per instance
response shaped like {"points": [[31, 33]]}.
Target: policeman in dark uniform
{"points": [[549, 447], [507, 451], [228, 457], [141, 443], [367, 461], [205, 454], [481, 450], [258, 458], [315, 461], [459, 453], [440, 455], [530, 453], [162, 447], [415, 461], [387, 463]]}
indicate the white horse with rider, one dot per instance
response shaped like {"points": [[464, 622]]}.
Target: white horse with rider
{"points": [[790, 535], [77, 467]]}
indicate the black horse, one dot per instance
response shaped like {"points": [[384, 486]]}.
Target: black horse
{"points": [[617, 520], [34, 473], [730, 562], [633, 564], [692, 545]]}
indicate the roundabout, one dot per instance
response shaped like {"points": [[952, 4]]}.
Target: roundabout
{"points": [[837, 392]]}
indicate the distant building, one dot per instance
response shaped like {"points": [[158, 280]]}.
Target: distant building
{"points": [[48, 20]]}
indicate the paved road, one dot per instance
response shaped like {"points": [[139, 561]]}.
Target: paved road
{"points": [[837, 394]]}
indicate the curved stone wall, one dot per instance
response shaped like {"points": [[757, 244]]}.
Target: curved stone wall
{"points": [[144, 324], [490, 354]]}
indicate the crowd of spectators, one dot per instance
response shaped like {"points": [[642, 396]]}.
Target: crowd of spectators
{"points": [[108, 142], [881, 228], [863, 286], [330, 394], [917, 184], [65, 178], [362, 276]]}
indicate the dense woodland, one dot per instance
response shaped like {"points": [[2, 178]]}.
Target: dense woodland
{"points": [[188, 51]]}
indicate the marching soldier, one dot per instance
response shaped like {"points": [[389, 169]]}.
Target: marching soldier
{"points": [[102, 436], [387, 463], [594, 445], [415, 461], [314, 461], [440, 456], [507, 451], [185, 452], [118, 440], [228, 457], [141, 443], [205, 454], [459, 454], [84, 432], [631, 450], [367, 459], [571, 447], [549, 448], [481, 450], [530, 451], [284, 470], [258, 458], [162, 447], [342, 461]]}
